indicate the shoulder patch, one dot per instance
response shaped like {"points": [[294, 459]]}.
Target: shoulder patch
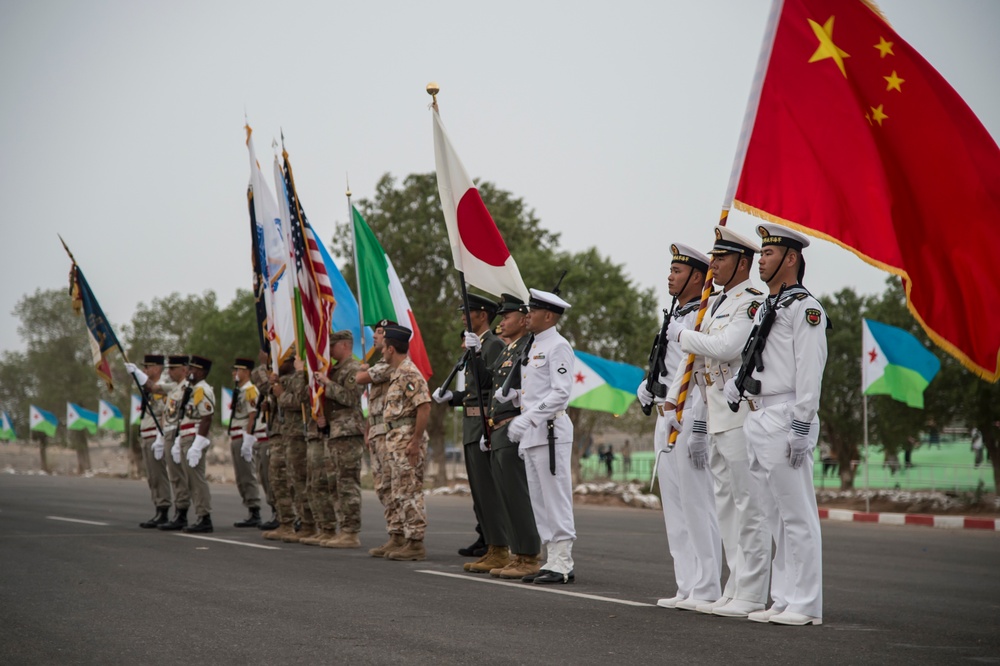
{"points": [[252, 394], [198, 396], [562, 371], [755, 292], [813, 316], [753, 307], [410, 386], [799, 296]]}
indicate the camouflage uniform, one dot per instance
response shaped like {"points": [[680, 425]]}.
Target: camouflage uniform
{"points": [[176, 472], [244, 401], [155, 404], [294, 401], [342, 408], [380, 374], [263, 432], [407, 390], [200, 405]]}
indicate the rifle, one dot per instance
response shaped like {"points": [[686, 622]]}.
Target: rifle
{"points": [[752, 357], [188, 390], [454, 371], [657, 355], [232, 409]]}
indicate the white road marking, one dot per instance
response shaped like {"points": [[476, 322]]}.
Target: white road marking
{"points": [[76, 520], [535, 588], [235, 543]]}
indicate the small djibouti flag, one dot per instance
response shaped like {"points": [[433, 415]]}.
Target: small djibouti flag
{"points": [[7, 433], [78, 418], [109, 417], [135, 410], [894, 363], [226, 413], [603, 385], [42, 421]]}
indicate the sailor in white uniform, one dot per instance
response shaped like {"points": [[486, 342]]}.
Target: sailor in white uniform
{"points": [[545, 435], [686, 486], [739, 501], [782, 428]]}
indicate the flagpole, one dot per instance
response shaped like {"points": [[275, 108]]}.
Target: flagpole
{"points": [[433, 89], [118, 344], [864, 422], [357, 271]]}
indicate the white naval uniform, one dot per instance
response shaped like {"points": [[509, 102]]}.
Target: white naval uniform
{"points": [[686, 492], [546, 384], [794, 357], [740, 503]]}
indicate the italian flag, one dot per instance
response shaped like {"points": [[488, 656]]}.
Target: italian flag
{"points": [[381, 293]]}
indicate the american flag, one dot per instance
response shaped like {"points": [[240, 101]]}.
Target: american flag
{"points": [[315, 290]]}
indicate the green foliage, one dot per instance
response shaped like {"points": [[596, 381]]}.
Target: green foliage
{"points": [[222, 335], [165, 325]]}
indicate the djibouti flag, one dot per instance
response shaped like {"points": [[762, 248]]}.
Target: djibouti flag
{"points": [[602, 385], [894, 363], [78, 418], [42, 421], [109, 417], [7, 433]]}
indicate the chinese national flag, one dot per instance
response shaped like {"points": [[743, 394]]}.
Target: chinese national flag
{"points": [[860, 140]]}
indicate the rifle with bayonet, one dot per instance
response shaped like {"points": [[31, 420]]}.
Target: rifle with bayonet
{"points": [[752, 358], [657, 358]]}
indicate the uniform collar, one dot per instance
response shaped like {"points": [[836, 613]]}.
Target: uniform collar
{"points": [[247, 385], [546, 334], [742, 286]]}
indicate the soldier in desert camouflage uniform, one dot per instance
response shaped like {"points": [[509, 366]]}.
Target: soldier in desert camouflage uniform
{"points": [[279, 470], [342, 411], [407, 409], [260, 376], [297, 427]]}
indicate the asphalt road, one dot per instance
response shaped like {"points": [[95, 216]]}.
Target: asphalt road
{"points": [[75, 593]]}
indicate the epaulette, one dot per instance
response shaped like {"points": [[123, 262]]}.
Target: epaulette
{"points": [[755, 292]]}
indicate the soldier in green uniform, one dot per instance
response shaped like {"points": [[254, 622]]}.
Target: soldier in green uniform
{"points": [[377, 377], [262, 434], [485, 347], [176, 470], [345, 439], [154, 400], [242, 423], [407, 410], [505, 464], [297, 425], [279, 470], [196, 419]]}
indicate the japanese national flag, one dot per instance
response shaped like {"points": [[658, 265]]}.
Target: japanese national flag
{"points": [[476, 245]]}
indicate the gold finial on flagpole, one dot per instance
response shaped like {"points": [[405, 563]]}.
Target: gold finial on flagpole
{"points": [[348, 193], [433, 89]]}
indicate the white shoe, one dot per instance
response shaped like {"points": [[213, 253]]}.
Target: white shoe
{"points": [[764, 615], [738, 608], [795, 619], [709, 608], [691, 604], [671, 602]]}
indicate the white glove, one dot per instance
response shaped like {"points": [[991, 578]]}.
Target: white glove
{"points": [[194, 453], [472, 341], [246, 449], [442, 396], [798, 444], [482, 444], [517, 428], [645, 397], [139, 375], [175, 450], [698, 445], [158, 447], [730, 391], [673, 423], [512, 396]]}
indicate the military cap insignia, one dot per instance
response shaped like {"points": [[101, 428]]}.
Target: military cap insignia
{"points": [[813, 316], [752, 309], [562, 371], [755, 292]]}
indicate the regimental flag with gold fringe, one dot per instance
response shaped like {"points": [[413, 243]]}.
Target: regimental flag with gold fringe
{"points": [[100, 334], [859, 140]]}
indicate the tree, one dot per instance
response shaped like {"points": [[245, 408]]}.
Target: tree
{"points": [[165, 325]]}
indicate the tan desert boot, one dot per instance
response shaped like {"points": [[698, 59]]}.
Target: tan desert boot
{"points": [[395, 541], [343, 540], [413, 551], [497, 557]]}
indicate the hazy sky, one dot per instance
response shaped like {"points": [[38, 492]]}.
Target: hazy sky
{"points": [[122, 123]]}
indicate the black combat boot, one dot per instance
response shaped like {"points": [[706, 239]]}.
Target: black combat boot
{"points": [[271, 524], [203, 525], [477, 549], [179, 522], [162, 517], [253, 520]]}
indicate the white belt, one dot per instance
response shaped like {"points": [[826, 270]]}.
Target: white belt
{"points": [[760, 402], [236, 433]]}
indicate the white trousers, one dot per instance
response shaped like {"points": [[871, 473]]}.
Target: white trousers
{"points": [[799, 541], [741, 509], [689, 514], [552, 503]]}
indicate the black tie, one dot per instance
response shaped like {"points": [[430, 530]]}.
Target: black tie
{"points": [[718, 303]]}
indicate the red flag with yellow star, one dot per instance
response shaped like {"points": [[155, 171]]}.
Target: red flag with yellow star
{"points": [[859, 140]]}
